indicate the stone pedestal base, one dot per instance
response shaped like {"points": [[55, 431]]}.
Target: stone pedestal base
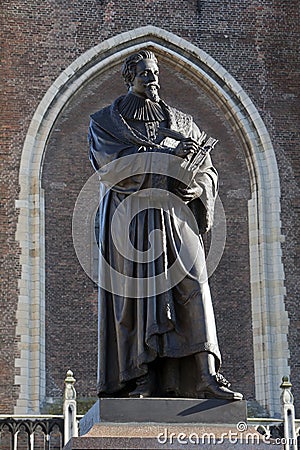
{"points": [[164, 410], [159, 423]]}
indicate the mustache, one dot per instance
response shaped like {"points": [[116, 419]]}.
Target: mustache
{"points": [[152, 84]]}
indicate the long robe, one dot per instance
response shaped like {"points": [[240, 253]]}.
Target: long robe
{"points": [[164, 330]]}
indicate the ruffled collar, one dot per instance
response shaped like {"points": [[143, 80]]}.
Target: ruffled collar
{"points": [[138, 108]]}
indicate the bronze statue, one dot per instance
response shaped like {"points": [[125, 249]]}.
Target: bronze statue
{"points": [[164, 344]]}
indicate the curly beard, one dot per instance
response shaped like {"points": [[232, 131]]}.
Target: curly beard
{"points": [[152, 92]]}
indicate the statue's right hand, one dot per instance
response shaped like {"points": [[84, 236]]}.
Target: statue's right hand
{"points": [[185, 147]]}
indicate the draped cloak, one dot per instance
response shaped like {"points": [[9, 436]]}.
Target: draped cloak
{"points": [[165, 329]]}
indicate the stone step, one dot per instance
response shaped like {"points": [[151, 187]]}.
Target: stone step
{"points": [[170, 436]]}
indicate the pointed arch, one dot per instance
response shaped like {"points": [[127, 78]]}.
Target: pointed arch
{"points": [[270, 321]]}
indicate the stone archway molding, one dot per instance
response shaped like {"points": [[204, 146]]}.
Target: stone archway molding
{"points": [[270, 320]]}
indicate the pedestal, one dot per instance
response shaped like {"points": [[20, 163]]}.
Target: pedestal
{"points": [[162, 423], [164, 410]]}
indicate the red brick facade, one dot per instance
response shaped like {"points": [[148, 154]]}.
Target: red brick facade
{"points": [[257, 43]]}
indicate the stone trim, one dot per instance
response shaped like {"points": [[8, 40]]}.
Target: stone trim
{"points": [[270, 321]]}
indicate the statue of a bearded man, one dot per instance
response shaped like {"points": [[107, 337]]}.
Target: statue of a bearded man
{"points": [[155, 342]]}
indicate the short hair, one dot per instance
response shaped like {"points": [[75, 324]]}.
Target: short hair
{"points": [[129, 66]]}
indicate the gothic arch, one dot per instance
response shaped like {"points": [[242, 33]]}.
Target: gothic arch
{"points": [[270, 321]]}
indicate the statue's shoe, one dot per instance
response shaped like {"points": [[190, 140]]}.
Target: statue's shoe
{"points": [[209, 387], [144, 387]]}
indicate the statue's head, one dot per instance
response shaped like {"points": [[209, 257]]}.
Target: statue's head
{"points": [[130, 63], [140, 72]]}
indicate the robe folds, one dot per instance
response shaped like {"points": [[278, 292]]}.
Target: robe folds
{"points": [[158, 328]]}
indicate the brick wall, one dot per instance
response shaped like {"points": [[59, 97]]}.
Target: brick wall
{"points": [[257, 43]]}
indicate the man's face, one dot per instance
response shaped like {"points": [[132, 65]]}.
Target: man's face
{"points": [[146, 79]]}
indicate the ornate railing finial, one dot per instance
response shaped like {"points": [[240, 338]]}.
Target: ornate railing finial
{"points": [[288, 415], [70, 392]]}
